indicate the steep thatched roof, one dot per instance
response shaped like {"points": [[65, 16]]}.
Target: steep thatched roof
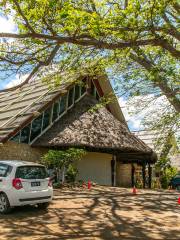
{"points": [[96, 130]]}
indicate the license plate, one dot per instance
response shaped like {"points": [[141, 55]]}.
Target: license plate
{"points": [[35, 184]]}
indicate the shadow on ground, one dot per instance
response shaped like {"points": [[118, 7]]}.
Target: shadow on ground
{"points": [[102, 213]]}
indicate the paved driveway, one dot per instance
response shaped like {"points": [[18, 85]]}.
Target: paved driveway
{"points": [[102, 213]]}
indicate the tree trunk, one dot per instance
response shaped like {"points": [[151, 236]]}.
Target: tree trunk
{"points": [[58, 175], [63, 174]]}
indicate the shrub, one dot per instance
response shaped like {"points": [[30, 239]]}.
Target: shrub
{"points": [[71, 173], [63, 160], [167, 175]]}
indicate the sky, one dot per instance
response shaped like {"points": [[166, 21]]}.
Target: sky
{"points": [[7, 25]]}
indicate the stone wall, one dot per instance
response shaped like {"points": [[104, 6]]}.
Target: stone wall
{"points": [[20, 151], [123, 174]]}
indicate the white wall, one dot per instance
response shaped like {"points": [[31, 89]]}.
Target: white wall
{"points": [[95, 167]]}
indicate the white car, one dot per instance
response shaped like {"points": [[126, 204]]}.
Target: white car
{"points": [[23, 183]]}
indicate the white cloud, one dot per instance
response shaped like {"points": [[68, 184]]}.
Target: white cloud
{"points": [[17, 80], [152, 109], [7, 25], [134, 121]]}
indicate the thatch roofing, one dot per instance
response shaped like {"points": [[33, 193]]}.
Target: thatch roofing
{"points": [[96, 130]]}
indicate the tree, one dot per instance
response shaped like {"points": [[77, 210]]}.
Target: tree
{"points": [[70, 33], [167, 172], [158, 118], [63, 160]]}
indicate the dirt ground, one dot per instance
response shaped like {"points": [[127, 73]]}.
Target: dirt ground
{"points": [[102, 213]]}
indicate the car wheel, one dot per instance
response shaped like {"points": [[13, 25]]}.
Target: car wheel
{"points": [[4, 204], [43, 205]]}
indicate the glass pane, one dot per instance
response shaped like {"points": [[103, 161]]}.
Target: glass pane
{"points": [[77, 92], [83, 87], [25, 132], [36, 127], [47, 118], [71, 97], [93, 89], [63, 104], [31, 172], [5, 170], [16, 138], [97, 96], [55, 111]]}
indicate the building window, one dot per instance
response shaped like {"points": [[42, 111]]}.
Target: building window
{"points": [[93, 89], [63, 104], [47, 118], [55, 111], [25, 133], [97, 95], [16, 138], [71, 97], [36, 127], [39, 124], [83, 87], [77, 92]]}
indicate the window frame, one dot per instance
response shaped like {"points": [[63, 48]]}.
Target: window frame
{"points": [[8, 170], [50, 118], [65, 110], [76, 100], [42, 131], [29, 132], [73, 98], [18, 133], [58, 102], [97, 95], [30, 141]]}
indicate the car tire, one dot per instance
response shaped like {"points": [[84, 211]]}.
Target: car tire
{"points": [[43, 206], [4, 204]]}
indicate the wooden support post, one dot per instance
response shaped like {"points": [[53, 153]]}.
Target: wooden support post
{"points": [[132, 175], [144, 175], [113, 169], [149, 175]]}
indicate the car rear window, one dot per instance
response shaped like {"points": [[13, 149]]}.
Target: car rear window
{"points": [[5, 170], [31, 172]]}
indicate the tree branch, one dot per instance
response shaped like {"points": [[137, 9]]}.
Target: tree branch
{"points": [[160, 81], [172, 31], [3, 59], [98, 44], [36, 68], [23, 16], [49, 27], [177, 7]]}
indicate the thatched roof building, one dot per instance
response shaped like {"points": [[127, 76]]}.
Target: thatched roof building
{"points": [[95, 129], [36, 117]]}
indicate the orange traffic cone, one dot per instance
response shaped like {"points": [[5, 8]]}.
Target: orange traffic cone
{"points": [[89, 184], [179, 200], [134, 190]]}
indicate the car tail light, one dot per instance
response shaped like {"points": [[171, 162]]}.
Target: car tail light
{"points": [[17, 184], [50, 183]]}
